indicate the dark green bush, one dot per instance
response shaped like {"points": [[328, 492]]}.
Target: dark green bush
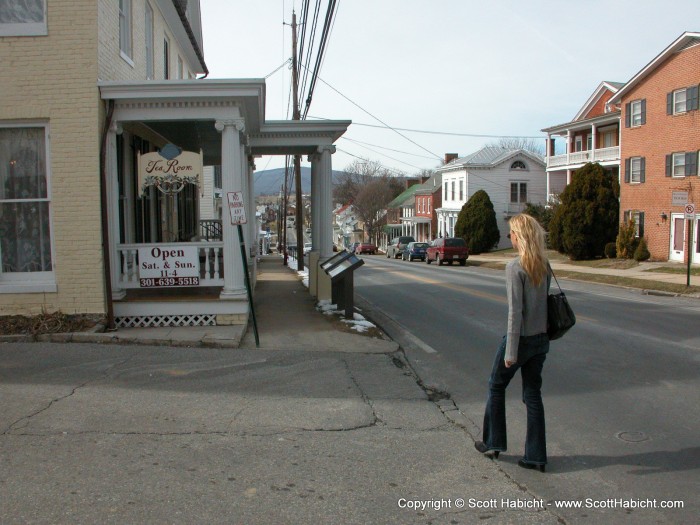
{"points": [[611, 250], [477, 225], [642, 251], [587, 218]]}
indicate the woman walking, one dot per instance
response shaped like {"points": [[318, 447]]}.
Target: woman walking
{"points": [[524, 347]]}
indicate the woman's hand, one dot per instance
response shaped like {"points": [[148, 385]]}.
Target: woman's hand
{"points": [[509, 363]]}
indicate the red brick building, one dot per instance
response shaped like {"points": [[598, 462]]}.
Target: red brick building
{"points": [[660, 139]]}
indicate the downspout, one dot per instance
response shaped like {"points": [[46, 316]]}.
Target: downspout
{"points": [[105, 218]]}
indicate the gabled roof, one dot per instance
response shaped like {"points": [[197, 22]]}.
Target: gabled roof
{"points": [[403, 197], [431, 185], [600, 91], [488, 157], [684, 41]]}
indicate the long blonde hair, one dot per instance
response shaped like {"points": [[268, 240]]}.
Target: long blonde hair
{"points": [[530, 246]]}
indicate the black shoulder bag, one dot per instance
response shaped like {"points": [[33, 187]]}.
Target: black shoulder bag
{"points": [[560, 316]]}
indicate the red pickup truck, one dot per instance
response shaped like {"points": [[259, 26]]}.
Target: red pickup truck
{"points": [[447, 249]]}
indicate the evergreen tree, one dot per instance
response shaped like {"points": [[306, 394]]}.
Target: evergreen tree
{"points": [[477, 224], [587, 218]]}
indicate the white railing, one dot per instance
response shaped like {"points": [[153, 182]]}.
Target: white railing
{"points": [[581, 157], [211, 263], [513, 208]]}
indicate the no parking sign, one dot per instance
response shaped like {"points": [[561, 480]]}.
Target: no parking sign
{"points": [[690, 211]]}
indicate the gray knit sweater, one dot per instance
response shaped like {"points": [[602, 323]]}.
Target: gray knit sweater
{"points": [[527, 307]]}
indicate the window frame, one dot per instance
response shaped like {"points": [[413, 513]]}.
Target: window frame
{"points": [[149, 37], [27, 28], [520, 185], [166, 57], [675, 165], [43, 281], [638, 171], [636, 113], [518, 165], [676, 102], [126, 31]]}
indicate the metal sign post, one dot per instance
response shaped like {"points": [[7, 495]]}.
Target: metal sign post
{"points": [[690, 215], [237, 212]]}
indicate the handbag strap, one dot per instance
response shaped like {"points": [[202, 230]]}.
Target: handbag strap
{"points": [[555, 277]]}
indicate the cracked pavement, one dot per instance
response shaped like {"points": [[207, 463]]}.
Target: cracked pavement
{"points": [[136, 434]]}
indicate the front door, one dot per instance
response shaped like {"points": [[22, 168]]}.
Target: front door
{"points": [[677, 238]]}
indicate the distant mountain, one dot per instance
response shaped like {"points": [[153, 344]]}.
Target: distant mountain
{"points": [[270, 182]]}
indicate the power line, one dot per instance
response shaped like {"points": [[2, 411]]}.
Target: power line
{"points": [[380, 120], [448, 133], [384, 147], [384, 155]]}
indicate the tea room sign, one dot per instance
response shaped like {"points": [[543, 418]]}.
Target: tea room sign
{"points": [[170, 169], [168, 265]]}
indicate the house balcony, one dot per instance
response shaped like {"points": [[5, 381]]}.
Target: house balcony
{"points": [[579, 158]]}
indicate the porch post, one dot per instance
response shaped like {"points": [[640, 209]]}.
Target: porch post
{"points": [[315, 202], [253, 222], [326, 201], [593, 141], [113, 210], [231, 180]]}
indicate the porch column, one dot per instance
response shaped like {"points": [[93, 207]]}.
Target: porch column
{"points": [[326, 201], [113, 210], [253, 222], [315, 202], [231, 180], [568, 146], [594, 133]]}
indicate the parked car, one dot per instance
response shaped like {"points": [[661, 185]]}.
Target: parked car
{"points": [[397, 246], [366, 247], [414, 250], [447, 249]]}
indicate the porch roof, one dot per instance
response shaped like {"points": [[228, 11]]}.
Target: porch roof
{"points": [[183, 112]]}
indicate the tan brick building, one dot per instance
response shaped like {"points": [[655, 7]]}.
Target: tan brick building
{"points": [[87, 87]]}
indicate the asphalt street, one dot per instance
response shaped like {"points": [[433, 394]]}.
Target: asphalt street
{"points": [[618, 389]]}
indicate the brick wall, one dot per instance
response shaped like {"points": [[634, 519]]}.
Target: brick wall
{"points": [[661, 135]]}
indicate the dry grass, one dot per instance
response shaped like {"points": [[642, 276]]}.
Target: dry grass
{"points": [[676, 270], [47, 323]]}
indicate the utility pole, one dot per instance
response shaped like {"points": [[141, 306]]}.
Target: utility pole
{"points": [[297, 158]]}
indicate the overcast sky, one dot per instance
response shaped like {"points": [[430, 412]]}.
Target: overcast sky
{"points": [[500, 67]]}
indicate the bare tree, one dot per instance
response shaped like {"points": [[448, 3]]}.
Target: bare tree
{"points": [[532, 145], [370, 203], [355, 177]]}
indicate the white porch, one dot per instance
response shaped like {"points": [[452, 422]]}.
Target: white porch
{"points": [[224, 119]]}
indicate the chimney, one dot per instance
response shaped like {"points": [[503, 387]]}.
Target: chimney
{"points": [[449, 157]]}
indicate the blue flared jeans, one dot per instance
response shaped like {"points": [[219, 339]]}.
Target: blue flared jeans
{"points": [[532, 351]]}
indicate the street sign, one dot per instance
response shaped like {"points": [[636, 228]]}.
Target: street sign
{"points": [[235, 207], [690, 211], [679, 198]]}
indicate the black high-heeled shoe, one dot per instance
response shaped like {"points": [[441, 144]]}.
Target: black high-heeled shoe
{"points": [[532, 466], [481, 447]]}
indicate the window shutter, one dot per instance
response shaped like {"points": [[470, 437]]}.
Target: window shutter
{"points": [[692, 98], [691, 163], [627, 170], [644, 111], [626, 217], [642, 169], [669, 104], [641, 224], [627, 115], [669, 165]]}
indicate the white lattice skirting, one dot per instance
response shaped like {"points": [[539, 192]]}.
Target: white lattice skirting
{"points": [[146, 321]]}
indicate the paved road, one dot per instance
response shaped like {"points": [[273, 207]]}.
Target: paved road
{"points": [[620, 390]]}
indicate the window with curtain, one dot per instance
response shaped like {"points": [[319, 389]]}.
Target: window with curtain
{"points": [[25, 225]]}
